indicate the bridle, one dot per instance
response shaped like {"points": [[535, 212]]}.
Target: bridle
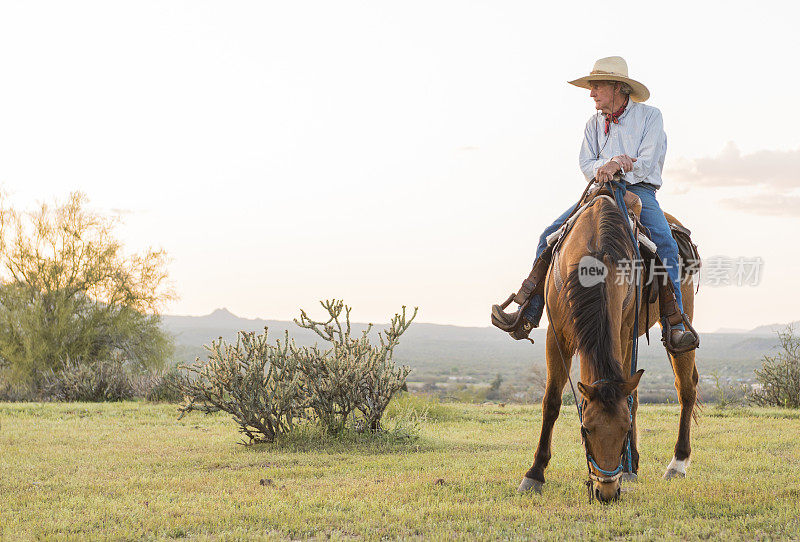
{"points": [[606, 476], [626, 457]]}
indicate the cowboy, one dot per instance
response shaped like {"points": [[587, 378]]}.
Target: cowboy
{"points": [[628, 142]]}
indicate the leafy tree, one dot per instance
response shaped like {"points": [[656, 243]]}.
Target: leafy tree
{"points": [[69, 292], [494, 388], [779, 376]]}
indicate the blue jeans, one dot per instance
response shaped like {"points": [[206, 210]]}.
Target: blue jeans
{"points": [[654, 220]]}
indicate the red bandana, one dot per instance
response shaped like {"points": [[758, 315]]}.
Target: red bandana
{"points": [[614, 117]]}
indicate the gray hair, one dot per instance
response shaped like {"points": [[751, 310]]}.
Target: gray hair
{"points": [[625, 88]]}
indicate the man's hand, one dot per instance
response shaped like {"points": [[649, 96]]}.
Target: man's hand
{"points": [[606, 172], [625, 161], [618, 163]]}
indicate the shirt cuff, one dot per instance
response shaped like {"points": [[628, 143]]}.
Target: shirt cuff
{"points": [[621, 171]]}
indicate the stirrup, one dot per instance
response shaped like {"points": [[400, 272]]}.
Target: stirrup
{"points": [[522, 331], [666, 335], [507, 327]]}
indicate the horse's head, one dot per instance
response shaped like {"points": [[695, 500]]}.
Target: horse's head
{"points": [[606, 421]]}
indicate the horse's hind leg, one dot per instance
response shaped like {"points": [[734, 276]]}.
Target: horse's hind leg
{"points": [[686, 384], [551, 405]]}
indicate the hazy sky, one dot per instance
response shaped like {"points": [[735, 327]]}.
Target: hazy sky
{"points": [[394, 153]]}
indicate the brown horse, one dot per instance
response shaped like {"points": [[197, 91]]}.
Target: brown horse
{"points": [[595, 318]]}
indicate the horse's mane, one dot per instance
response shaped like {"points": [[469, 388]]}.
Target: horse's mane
{"points": [[587, 307]]}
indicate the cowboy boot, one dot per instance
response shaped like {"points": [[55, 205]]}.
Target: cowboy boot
{"points": [[676, 341], [530, 299]]}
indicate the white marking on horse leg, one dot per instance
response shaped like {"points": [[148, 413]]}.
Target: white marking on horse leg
{"points": [[677, 468]]}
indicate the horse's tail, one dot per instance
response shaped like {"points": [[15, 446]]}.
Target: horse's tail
{"points": [[588, 301]]}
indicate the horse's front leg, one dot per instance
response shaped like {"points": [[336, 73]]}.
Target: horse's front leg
{"points": [[630, 474], [551, 405], [686, 384]]}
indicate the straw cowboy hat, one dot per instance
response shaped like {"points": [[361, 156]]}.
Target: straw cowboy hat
{"points": [[613, 68]]}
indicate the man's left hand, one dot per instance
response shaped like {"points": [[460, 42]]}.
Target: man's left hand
{"points": [[618, 164], [606, 172]]}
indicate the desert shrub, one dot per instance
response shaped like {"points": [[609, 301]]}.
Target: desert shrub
{"points": [[107, 380], [352, 375], [258, 384], [158, 386], [779, 376], [269, 389], [724, 394], [12, 391]]}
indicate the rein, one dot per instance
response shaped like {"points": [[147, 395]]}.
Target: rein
{"points": [[618, 190]]}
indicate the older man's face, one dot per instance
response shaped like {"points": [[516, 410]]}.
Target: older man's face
{"points": [[606, 95]]}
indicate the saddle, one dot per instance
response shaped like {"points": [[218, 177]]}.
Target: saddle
{"points": [[632, 201], [690, 261]]}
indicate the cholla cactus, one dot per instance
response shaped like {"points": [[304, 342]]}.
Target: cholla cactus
{"points": [[256, 383], [352, 375], [268, 389]]}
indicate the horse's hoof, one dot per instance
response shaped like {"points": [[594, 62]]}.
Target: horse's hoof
{"points": [[630, 477], [677, 468], [529, 484], [674, 473]]}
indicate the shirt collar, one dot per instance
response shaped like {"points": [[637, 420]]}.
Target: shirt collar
{"points": [[631, 105]]}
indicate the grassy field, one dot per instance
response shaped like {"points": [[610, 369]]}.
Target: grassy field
{"points": [[133, 471]]}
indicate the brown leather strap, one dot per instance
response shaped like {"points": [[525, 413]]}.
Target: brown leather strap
{"points": [[668, 303], [633, 203], [534, 284]]}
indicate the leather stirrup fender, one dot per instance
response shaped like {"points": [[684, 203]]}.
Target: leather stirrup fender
{"points": [[534, 283], [667, 302], [668, 306]]}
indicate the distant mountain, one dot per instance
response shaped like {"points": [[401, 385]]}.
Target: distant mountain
{"points": [[479, 353], [772, 328], [760, 330], [422, 343]]}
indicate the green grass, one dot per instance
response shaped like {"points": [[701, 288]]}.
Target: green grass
{"points": [[133, 471]]}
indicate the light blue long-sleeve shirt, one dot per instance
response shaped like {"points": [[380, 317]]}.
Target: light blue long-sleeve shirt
{"points": [[639, 134]]}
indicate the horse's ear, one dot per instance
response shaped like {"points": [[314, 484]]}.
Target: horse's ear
{"points": [[632, 382], [587, 390]]}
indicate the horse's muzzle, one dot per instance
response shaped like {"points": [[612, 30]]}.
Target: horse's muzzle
{"points": [[604, 493]]}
